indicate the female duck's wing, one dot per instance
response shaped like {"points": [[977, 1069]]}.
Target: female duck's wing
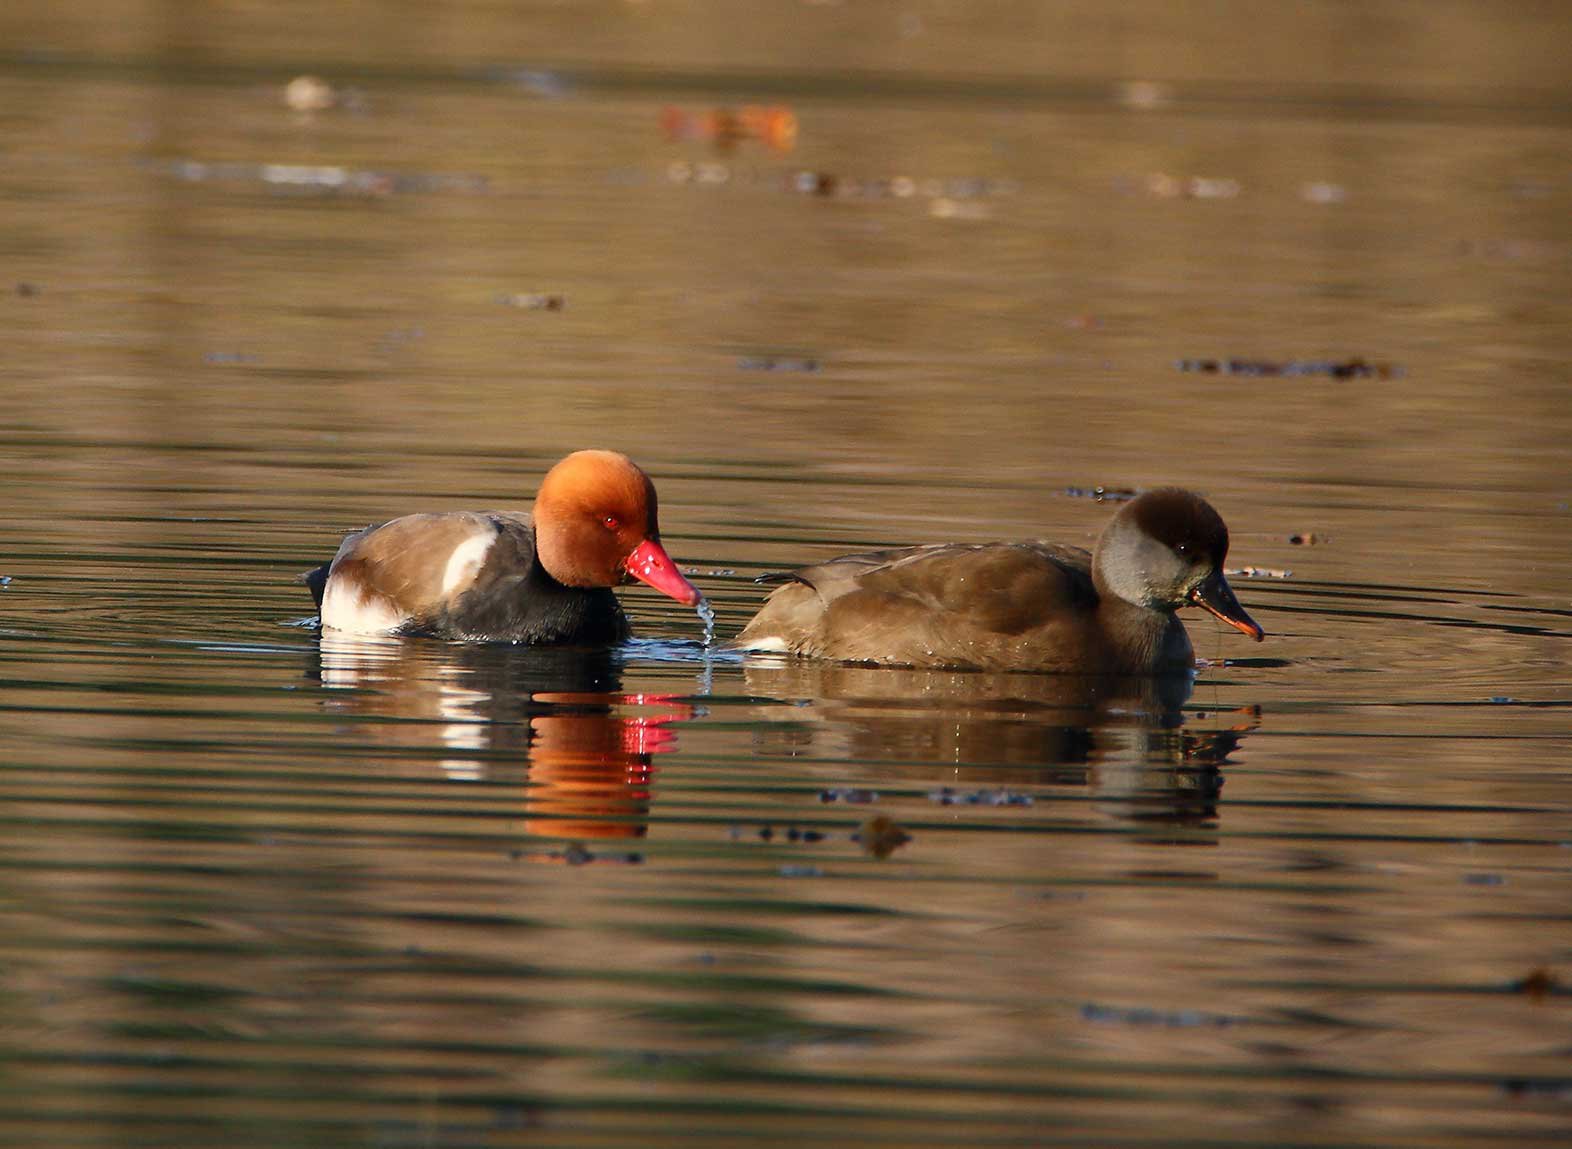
{"points": [[950, 604]]}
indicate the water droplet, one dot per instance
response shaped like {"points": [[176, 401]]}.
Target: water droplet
{"points": [[706, 614]]}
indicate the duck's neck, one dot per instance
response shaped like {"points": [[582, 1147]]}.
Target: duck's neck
{"points": [[1144, 640]]}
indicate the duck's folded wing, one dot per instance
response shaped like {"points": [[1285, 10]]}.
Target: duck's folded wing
{"points": [[901, 605], [413, 565], [1005, 588], [840, 575]]}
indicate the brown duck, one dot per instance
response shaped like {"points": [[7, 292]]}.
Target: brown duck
{"points": [[1017, 605], [504, 575]]}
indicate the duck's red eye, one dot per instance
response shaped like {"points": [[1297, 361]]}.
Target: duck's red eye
{"points": [[611, 522]]}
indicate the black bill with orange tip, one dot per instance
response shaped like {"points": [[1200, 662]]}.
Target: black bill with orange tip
{"points": [[1216, 597]]}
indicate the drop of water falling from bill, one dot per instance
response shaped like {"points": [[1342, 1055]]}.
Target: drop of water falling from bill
{"points": [[707, 615]]}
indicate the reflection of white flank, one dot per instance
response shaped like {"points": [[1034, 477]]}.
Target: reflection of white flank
{"points": [[345, 607], [464, 731], [350, 660]]}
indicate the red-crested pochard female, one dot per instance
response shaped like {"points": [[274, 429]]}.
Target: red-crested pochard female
{"points": [[1017, 605], [506, 576]]}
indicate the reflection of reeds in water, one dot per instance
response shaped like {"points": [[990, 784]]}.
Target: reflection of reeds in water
{"points": [[549, 718], [1127, 740]]}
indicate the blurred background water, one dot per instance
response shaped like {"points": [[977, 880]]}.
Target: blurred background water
{"points": [[838, 275]]}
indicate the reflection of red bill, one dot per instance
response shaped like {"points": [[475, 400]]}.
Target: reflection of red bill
{"points": [[650, 564], [648, 733]]}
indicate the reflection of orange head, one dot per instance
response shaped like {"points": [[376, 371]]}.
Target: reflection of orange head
{"points": [[590, 773]]}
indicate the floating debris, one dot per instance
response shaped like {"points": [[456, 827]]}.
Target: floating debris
{"points": [[767, 834], [849, 795], [1537, 984], [1323, 193], [1149, 1017], [954, 194], [309, 94], [533, 301], [1309, 539], [1144, 95], [321, 179], [880, 836], [946, 208], [773, 125], [682, 172], [1103, 494], [945, 796], [1556, 1089], [815, 183], [1165, 186], [541, 83], [1267, 368], [801, 364], [1510, 249], [1258, 572], [577, 854]]}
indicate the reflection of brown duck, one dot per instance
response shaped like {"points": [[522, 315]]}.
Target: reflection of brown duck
{"points": [[1126, 738], [1021, 606], [550, 718]]}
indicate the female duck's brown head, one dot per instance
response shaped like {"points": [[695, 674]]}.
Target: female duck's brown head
{"points": [[596, 526], [1164, 550]]}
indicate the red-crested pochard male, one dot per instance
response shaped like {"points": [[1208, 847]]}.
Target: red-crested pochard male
{"points": [[507, 576], [1017, 605]]}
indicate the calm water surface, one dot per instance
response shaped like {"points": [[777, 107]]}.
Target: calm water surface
{"points": [[261, 887]]}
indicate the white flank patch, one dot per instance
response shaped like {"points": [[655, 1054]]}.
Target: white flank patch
{"points": [[345, 608], [465, 562], [772, 643]]}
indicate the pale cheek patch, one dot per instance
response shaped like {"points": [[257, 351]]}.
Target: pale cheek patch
{"points": [[465, 563], [345, 608]]}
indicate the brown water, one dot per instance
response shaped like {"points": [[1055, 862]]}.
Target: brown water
{"points": [[263, 889]]}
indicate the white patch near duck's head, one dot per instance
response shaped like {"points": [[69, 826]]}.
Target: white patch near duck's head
{"points": [[465, 563], [346, 607]]}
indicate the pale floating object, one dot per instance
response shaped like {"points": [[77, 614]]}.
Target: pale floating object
{"points": [[310, 94]]}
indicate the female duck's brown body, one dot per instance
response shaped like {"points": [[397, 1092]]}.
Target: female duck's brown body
{"points": [[507, 576], [1017, 605]]}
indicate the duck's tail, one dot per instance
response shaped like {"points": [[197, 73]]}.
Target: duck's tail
{"points": [[316, 581]]}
